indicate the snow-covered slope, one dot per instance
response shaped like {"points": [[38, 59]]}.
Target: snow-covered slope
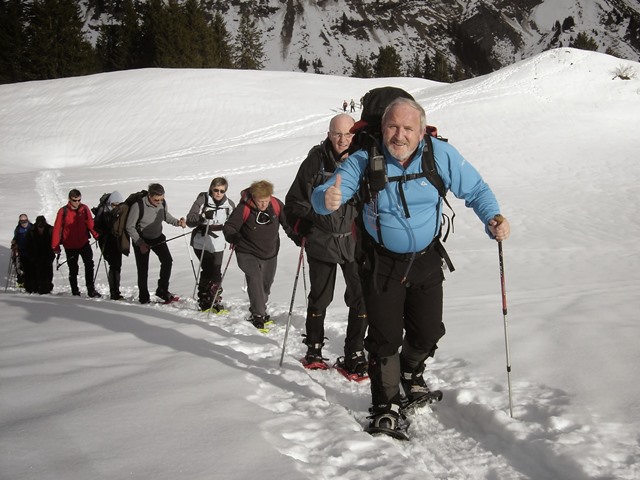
{"points": [[99, 389]]}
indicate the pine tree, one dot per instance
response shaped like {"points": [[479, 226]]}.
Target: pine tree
{"points": [[427, 69], [303, 64], [200, 37], [388, 63], [414, 69], [12, 41], [222, 42], [172, 40], [584, 42], [249, 53], [441, 68], [56, 46], [362, 68], [150, 30], [117, 45]]}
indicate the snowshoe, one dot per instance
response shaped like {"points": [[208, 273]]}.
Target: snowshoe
{"points": [[167, 297], [388, 420], [354, 367], [314, 364], [420, 401], [313, 360]]}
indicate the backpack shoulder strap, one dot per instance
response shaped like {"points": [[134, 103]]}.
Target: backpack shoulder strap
{"points": [[276, 205], [431, 173], [245, 212], [140, 211], [430, 170]]}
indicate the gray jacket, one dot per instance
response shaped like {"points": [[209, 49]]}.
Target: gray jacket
{"points": [[150, 225]]}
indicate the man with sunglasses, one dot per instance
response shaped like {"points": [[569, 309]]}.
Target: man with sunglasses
{"points": [[19, 252], [329, 243], [144, 226], [207, 216], [72, 229]]}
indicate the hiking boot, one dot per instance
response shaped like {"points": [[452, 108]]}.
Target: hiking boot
{"points": [[94, 294], [413, 384], [117, 296], [206, 292], [75, 293], [257, 321], [314, 353], [165, 295], [356, 363]]}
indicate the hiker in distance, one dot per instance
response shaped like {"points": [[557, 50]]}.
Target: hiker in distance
{"points": [[144, 226], [253, 229], [19, 252], [72, 229], [402, 277], [208, 214], [41, 255], [110, 243], [329, 243]]}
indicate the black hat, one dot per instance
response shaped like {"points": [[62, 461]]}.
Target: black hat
{"points": [[41, 221]]}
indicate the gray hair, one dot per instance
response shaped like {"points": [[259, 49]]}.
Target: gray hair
{"points": [[411, 103]]}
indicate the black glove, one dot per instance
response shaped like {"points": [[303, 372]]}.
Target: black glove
{"points": [[209, 214], [297, 239], [303, 226], [233, 238]]}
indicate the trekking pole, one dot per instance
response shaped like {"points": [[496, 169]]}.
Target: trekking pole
{"points": [[499, 219], [193, 268], [9, 273], [59, 264], [173, 238], [293, 297], [95, 275], [219, 289], [206, 232], [304, 282]]}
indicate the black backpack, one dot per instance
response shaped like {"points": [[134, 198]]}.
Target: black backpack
{"points": [[120, 214], [99, 210], [368, 136]]}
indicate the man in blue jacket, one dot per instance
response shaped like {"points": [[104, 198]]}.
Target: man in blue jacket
{"points": [[401, 258]]}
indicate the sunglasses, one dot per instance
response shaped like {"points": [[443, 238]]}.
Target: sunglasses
{"points": [[218, 190], [24, 221], [75, 200]]}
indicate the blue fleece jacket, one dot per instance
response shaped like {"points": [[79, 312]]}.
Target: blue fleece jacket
{"points": [[406, 235]]}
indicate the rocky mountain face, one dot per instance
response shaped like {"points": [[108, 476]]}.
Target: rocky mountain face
{"points": [[477, 35], [481, 35]]}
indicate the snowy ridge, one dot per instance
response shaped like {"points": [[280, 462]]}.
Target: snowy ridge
{"points": [[101, 389]]}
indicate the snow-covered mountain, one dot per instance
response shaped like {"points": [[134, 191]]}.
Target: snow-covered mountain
{"points": [[479, 35]]}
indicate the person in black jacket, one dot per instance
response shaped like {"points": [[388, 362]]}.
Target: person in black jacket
{"points": [[253, 230], [329, 243], [38, 246], [105, 216]]}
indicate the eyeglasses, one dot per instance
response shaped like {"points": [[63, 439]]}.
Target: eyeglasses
{"points": [[263, 218], [346, 136], [75, 200], [218, 190]]}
